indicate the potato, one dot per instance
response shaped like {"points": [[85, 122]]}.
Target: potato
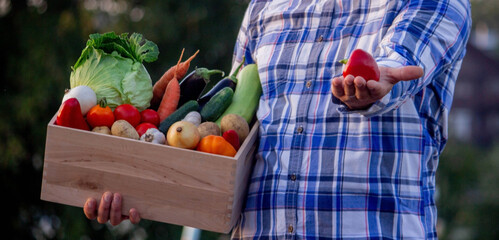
{"points": [[122, 128], [208, 128], [102, 129], [236, 123]]}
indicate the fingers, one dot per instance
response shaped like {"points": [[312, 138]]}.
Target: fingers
{"points": [[134, 216], [337, 87], [90, 208], [361, 91], [115, 213], [406, 73], [352, 91], [104, 207], [348, 85], [376, 89], [109, 209]]}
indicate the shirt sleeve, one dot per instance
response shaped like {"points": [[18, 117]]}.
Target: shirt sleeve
{"points": [[429, 34], [244, 46]]}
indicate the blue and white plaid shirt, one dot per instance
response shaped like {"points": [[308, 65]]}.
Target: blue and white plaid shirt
{"points": [[322, 171]]}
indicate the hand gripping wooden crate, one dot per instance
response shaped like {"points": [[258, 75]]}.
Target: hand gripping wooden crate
{"points": [[165, 184]]}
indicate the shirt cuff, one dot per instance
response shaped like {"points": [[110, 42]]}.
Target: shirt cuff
{"points": [[392, 63], [373, 110]]}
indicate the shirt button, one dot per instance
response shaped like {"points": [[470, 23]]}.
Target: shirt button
{"points": [[309, 83], [290, 228], [320, 38], [292, 177], [299, 129]]}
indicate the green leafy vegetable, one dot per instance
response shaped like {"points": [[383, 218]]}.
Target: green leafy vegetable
{"points": [[112, 65]]}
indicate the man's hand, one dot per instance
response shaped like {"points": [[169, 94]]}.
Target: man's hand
{"points": [[357, 93], [109, 209]]}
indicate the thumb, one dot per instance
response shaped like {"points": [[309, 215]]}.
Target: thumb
{"points": [[407, 73]]}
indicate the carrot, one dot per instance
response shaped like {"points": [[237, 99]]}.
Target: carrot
{"points": [[171, 96], [160, 86]]}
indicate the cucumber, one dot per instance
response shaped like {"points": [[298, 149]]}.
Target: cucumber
{"points": [[178, 115], [247, 94], [217, 104]]}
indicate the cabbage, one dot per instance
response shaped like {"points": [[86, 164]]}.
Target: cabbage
{"points": [[112, 66]]}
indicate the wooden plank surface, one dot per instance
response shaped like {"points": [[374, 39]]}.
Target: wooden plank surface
{"points": [[165, 184], [134, 158], [164, 202]]}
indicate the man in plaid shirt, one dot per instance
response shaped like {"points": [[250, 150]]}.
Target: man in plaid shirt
{"points": [[342, 158], [345, 158]]}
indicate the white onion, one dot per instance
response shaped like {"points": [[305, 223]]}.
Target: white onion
{"points": [[85, 95]]}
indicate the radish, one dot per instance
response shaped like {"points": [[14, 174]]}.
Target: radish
{"points": [[85, 95]]}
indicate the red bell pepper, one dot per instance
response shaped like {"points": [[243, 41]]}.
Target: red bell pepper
{"points": [[232, 137], [70, 115], [361, 63]]}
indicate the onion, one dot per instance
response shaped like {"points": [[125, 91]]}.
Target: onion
{"points": [[183, 134], [85, 95]]}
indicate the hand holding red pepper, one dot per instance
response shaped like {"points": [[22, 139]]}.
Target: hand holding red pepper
{"points": [[359, 93]]}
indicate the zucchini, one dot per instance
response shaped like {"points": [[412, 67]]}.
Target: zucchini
{"points": [[247, 94], [217, 104], [178, 115]]}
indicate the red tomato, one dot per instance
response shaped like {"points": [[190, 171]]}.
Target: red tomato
{"points": [[128, 113], [149, 116], [142, 128]]}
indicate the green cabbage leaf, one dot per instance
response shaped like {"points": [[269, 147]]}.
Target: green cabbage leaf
{"points": [[112, 65]]}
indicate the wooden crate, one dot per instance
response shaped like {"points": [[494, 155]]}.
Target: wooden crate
{"points": [[165, 184]]}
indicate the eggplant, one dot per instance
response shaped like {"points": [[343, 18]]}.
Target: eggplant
{"points": [[193, 84], [226, 82], [230, 81]]}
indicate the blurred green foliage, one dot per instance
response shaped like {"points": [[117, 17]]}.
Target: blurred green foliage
{"points": [[41, 41], [468, 192], [485, 11]]}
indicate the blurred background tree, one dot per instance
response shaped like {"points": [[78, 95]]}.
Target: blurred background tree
{"points": [[486, 27], [468, 193], [42, 39]]}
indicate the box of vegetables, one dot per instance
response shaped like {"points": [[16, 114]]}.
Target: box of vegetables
{"points": [[180, 150]]}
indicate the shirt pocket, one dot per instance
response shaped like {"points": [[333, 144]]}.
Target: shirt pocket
{"points": [[276, 67]]}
